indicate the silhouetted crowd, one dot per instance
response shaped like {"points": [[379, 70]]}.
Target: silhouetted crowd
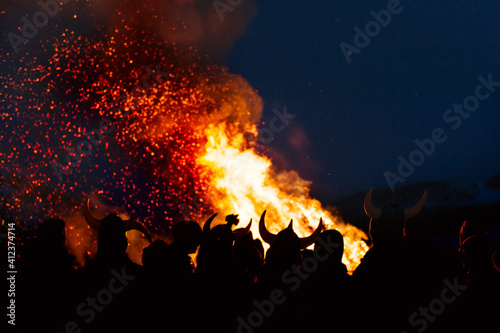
{"points": [[403, 284]]}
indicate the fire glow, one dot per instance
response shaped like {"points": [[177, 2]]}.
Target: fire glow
{"points": [[244, 183], [186, 147]]}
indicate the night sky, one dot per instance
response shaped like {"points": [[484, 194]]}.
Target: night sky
{"points": [[354, 120]]}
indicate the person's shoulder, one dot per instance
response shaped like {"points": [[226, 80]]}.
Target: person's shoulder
{"points": [[132, 267]]}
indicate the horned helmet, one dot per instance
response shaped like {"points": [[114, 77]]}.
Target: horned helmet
{"points": [[387, 223], [224, 231], [288, 233], [286, 245], [112, 229]]}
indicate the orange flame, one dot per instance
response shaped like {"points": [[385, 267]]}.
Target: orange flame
{"points": [[245, 183]]}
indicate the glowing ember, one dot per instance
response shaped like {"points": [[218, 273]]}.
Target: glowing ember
{"points": [[178, 140]]}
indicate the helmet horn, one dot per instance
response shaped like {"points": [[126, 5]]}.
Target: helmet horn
{"points": [[134, 225], [306, 241], [268, 237], [242, 232], [91, 220], [206, 226], [370, 209], [411, 212]]}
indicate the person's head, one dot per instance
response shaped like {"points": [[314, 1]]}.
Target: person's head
{"points": [[247, 251], [112, 238], [330, 243], [285, 248], [471, 228], [187, 236], [387, 223], [286, 245], [476, 249], [155, 255], [221, 237]]}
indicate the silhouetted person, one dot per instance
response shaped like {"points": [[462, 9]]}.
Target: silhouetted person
{"points": [[283, 253], [326, 296], [382, 276], [249, 253], [476, 252], [47, 280], [155, 259], [328, 250], [221, 279], [284, 250], [159, 297], [112, 273], [168, 276], [187, 238], [479, 305], [282, 271]]}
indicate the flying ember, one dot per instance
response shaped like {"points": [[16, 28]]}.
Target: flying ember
{"points": [[157, 133]]}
